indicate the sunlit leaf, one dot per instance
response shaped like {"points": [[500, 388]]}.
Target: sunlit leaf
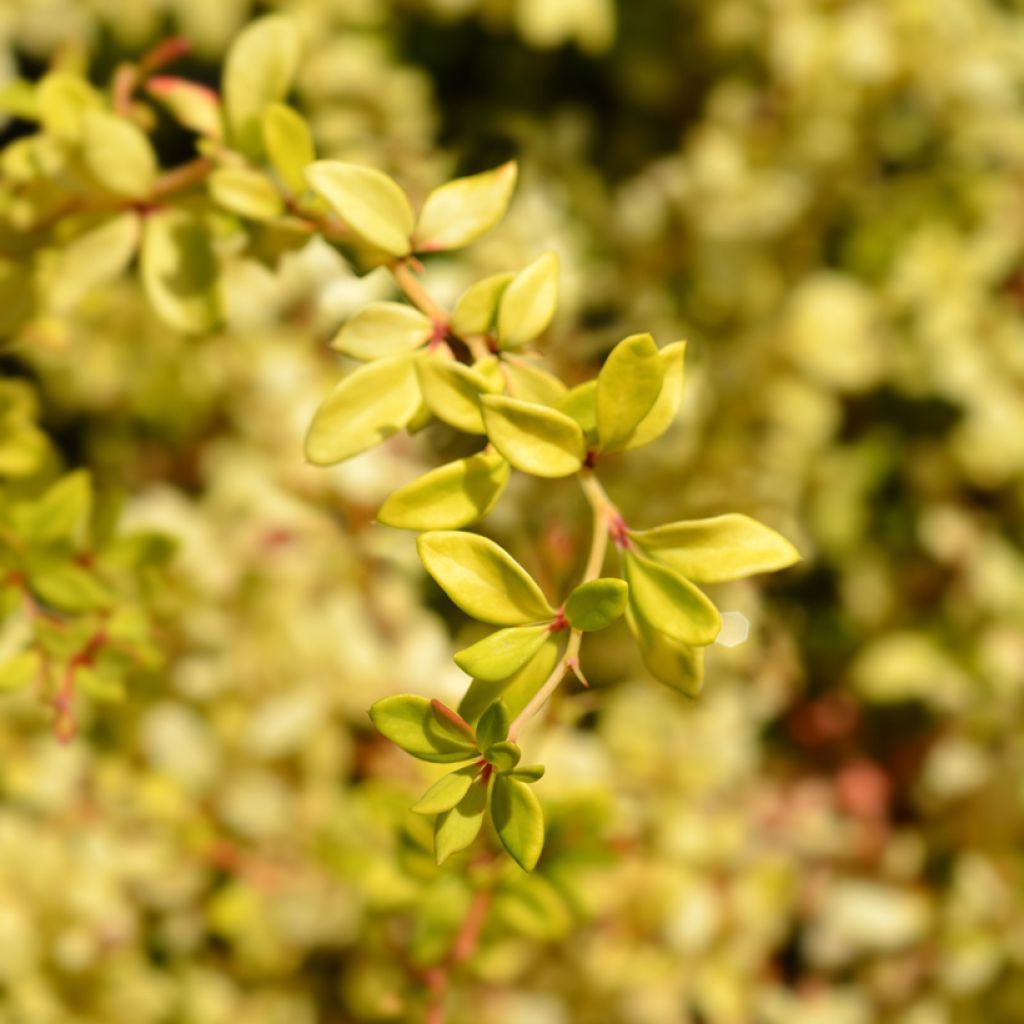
{"points": [[534, 438], [462, 210]]}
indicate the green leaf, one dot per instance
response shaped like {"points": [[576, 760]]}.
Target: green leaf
{"points": [[258, 71], [518, 820], [448, 791], [68, 586], [94, 258], [580, 404], [596, 604], [415, 725], [365, 408], [19, 670], [369, 202], [666, 406], [248, 193], [288, 143], [193, 106], [534, 438], [477, 308], [64, 101], [627, 387], [518, 690], [462, 210], [179, 270], [529, 302], [493, 725], [528, 772], [63, 511], [97, 687], [503, 653], [482, 579], [532, 384], [490, 369], [383, 329], [118, 154], [503, 755], [456, 829], [714, 550], [453, 392], [678, 666], [670, 603], [449, 497]]}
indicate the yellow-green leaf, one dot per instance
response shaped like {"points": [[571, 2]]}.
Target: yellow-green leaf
{"points": [[532, 383], [258, 71], [92, 259], [19, 670], [67, 586], [727, 547], [246, 192], [365, 408], [118, 154], [456, 829], [627, 387], [448, 791], [477, 308], [453, 392], [288, 142], [518, 690], [482, 578], [462, 210], [580, 404], [518, 820], [528, 303], [369, 202], [179, 270], [62, 512], [666, 405], [678, 666], [534, 438], [503, 653], [670, 603], [64, 100], [383, 329], [449, 497], [193, 106], [596, 604], [414, 724]]}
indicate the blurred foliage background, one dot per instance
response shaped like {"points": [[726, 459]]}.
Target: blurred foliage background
{"points": [[826, 197]]}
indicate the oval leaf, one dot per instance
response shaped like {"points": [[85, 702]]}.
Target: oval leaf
{"points": [[721, 548], [193, 106], [462, 210], [118, 154], [413, 724], [448, 791], [477, 308], [666, 406], [671, 604], [534, 438], [503, 653], [248, 193], [457, 828], [528, 303], [482, 579], [453, 392], [449, 497], [581, 405], [365, 408], [288, 143], [518, 690], [533, 384], [383, 329], [627, 387], [518, 820], [369, 202], [679, 666], [596, 604]]}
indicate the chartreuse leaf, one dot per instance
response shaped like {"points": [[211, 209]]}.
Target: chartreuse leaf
{"points": [[670, 603], [528, 772], [246, 192], [288, 143], [449, 497], [369, 202], [580, 404], [179, 270], [67, 586], [464, 209], [503, 755], [414, 724], [19, 670], [534, 438], [453, 392], [482, 579], [678, 666], [64, 101], [192, 105], [457, 828], [62, 511], [258, 71], [99, 687], [627, 387], [444, 794], [493, 725], [666, 406], [477, 308], [364, 409], [383, 329], [518, 820], [118, 154], [528, 303], [490, 369], [503, 653], [596, 604], [722, 548], [92, 259], [518, 690], [532, 384]]}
